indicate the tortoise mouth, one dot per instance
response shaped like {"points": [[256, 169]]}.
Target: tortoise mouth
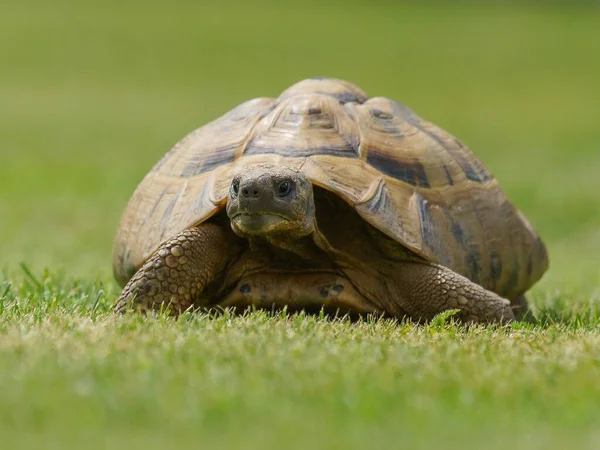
{"points": [[257, 223]]}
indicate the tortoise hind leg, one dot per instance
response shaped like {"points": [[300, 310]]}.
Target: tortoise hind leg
{"points": [[425, 289], [179, 271], [520, 308]]}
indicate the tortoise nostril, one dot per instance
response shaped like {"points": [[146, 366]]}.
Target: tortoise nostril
{"points": [[252, 191]]}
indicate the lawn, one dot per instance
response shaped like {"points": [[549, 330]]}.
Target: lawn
{"points": [[92, 94]]}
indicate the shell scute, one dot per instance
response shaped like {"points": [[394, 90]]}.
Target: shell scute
{"points": [[305, 125]]}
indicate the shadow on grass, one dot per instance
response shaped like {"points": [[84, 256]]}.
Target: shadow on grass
{"points": [[25, 293], [563, 313]]}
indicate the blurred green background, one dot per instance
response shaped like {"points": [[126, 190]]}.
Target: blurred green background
{"points": [[93, 93]]}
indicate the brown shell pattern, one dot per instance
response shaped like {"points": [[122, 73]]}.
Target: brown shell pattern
{"points": [[405, 176]]}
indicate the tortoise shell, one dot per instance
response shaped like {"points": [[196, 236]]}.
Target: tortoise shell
{"points": [[408, 178]]}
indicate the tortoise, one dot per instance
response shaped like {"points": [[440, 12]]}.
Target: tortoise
{"points": [[324, 199]]}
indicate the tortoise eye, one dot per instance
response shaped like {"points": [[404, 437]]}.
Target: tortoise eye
{"points": [[284, 188], [235, 188]]}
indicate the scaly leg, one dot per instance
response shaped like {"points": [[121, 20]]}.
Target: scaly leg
{"points": [[426, 289], [179, 271]]}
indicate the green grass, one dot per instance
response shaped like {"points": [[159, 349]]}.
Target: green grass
{"points": [[92, 94], [76, 375]]}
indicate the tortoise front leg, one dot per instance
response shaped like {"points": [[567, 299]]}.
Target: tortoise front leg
{"points": [[179, 271], [425, 289]]}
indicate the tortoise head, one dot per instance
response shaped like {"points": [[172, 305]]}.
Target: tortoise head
{"points": [[266, 200]]}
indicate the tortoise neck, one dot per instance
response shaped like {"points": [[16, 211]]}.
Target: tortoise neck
{"points": [[308, 247]]}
